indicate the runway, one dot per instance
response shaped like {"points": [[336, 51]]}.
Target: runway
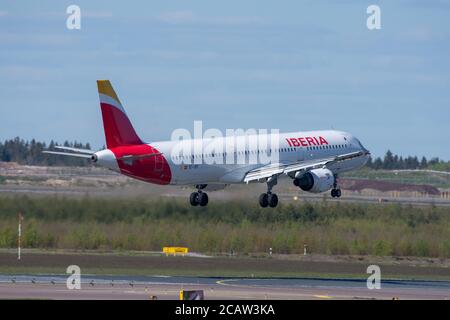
{"points": [[161, 287]]}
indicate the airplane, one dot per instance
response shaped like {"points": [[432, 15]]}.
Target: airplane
{"points": [[312, 159]]}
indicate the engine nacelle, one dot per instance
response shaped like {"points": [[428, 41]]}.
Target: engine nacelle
{"points": [[316, 181]]}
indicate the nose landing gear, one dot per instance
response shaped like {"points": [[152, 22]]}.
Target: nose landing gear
{"points": [[335, 192]]}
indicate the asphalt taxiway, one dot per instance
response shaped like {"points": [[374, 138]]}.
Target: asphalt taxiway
{"points": [[160, 287]]}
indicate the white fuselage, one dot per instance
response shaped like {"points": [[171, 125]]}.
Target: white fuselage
{"points": [[210, 162]]}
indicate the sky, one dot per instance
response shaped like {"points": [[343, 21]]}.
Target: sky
{"points": [[288, 65]]}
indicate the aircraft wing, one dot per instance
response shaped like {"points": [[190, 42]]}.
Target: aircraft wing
{"points": [[264, 172], [320, 163], [300, 166]]}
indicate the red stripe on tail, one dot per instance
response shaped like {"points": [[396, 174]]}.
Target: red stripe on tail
{"points": [[118, 128]]}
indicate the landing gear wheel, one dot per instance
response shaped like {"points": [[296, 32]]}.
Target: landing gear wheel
{"points": [[269, 198], [202, 199], [264, 200], [296, 182], [194, 199], [336, 193], [273, 200]]}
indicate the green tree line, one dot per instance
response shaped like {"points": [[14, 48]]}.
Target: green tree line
{"points": [[395, 162], [30, 153], [242, 227]]}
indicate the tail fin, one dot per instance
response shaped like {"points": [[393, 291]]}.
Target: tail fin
{"points": [[118, 128]]}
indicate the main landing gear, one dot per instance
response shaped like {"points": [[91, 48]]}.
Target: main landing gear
{"points": [[199, 198], [269, 199], [335, 192]]}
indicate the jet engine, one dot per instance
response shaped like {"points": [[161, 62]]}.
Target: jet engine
{"points": [[315, 181]]}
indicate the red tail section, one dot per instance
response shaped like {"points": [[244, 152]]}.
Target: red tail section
{"points": [[122, 140], [118, 129]]}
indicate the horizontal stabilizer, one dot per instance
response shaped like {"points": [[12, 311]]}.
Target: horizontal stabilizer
{"points": [[87, 151], [79, 155]]}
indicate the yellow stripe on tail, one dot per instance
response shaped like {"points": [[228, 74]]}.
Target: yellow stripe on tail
{"points": [[105, 87]]}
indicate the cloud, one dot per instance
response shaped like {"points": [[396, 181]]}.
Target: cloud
{"points": [[96, 14], [177, 17], [423, 33], [58, 15], [20, 73], [14, 39], [432, 4], [189, 17]]}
